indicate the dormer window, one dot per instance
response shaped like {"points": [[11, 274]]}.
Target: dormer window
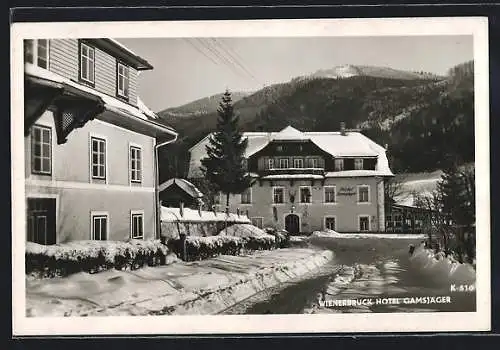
{"points": [[122, 80], [37, 52], [87, 64]]}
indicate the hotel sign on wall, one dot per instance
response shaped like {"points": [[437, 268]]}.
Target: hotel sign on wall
{"points": [[346, 191]]}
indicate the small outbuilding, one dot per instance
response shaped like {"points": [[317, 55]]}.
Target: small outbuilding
{"points": [[176, 191]]}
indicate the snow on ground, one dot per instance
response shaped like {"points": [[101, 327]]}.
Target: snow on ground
{"points": [[201, 287], [333, 234], [442, 268]]}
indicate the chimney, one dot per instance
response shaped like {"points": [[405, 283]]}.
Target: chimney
{"points": [[342, 129]]}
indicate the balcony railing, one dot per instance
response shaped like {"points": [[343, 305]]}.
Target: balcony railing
{"points": [[292, 171]]}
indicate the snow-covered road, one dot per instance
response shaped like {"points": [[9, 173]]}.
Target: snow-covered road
{"points": [[377, 272]]}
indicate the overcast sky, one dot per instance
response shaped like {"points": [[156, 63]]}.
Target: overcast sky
{"points": [[188, 69]]}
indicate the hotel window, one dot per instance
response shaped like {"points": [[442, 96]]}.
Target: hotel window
{"points": [[87, 63], [314, 163], [298, 163], [41, 150], [271, 163], [98, 152], [122, 77], [305, 195], [284, 163], [135, 164], [364, 223], [363, 194], [330, 194], [37, 52], [339, 164], [278, 195], [246, 196], [100, 227], [330, 223], [358, 164], [137, 224], [257, 221]]}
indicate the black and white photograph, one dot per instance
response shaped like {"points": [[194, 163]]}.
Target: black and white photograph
{"points": [[250, 176]]}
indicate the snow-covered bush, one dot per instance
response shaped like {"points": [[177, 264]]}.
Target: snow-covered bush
{"points": [[199, 248], [92, 256], [231, 241]]}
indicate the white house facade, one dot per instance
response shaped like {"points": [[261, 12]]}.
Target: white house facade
{"points": [[90, 143]]}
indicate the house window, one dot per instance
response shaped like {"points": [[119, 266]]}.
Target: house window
{"points": [[98, 151], [37, 52], [278, 195], [41, 150], [271, 163], [244, 164], [363, 194], [137, 224], [279, 148], [330, 194], [258, 221], [135, 164], [298, 163], [314, 163], [305, 195], [246, 196], [284, 163], [364, 223], [358, 164], [122, 77], [100, 227], [87, 63], [330, 223], [339, 164]]}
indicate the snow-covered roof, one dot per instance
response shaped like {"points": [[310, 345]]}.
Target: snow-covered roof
{"points": [[352, 144], [110, 103], [191, 215], [145, 109], [290, 134], [185, 185]]}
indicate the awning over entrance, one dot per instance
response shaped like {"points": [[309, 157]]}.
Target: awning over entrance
{"points": [[74, 105]]}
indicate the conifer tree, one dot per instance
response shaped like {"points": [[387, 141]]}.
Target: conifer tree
{"points": [[223, 165]]}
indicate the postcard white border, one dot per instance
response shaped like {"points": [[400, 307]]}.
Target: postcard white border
{"points": [[116, 325]]}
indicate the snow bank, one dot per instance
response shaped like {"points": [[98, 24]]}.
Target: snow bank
{"points": [[204, 287], [333, 234], [442, 268]]}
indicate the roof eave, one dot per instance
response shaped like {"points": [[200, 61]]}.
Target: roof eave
{"points": [[128, 56]]}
